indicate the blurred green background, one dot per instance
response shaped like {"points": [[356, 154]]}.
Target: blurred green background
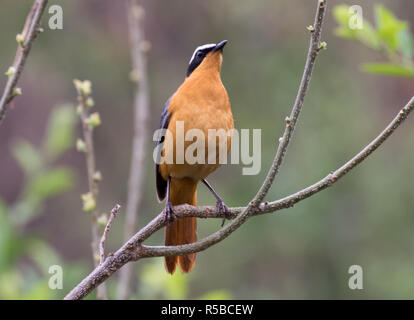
{"points": [[304, 252]]}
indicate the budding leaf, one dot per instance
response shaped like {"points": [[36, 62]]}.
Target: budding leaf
{"points": [[20, 39], [11, 71], [80, 145], [88, 201], [89, 102], [17, 91], [83, 87], [97, 176], [94, 120]]}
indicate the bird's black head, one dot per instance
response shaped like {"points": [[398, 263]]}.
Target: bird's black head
{"points": [[201, 52]]}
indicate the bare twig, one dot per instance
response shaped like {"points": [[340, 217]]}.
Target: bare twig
{"points": [[314, 48], [114, 212], [134, 250], [25, 41], [89, 121], [141, 110]]}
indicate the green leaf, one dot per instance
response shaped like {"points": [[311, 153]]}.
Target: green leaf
{"points": [[60, 131], [388, 69], [27, 156], [389, 27], [406, 43], [341, 14], [43, 255], [11, 245], [367, 35], [51, 183], [25, 210]]}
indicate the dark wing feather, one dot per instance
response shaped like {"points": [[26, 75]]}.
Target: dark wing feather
{"points": [[161, 184]]}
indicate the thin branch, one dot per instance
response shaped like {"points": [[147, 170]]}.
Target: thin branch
{"points": [[134, 250], [291, 121], [114, 212], [242, 217], [25, 39], [141, 110], [89, 121]]}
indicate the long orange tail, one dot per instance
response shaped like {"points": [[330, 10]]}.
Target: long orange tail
{"points": [[184, 230]]}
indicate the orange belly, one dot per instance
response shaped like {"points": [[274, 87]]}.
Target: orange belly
{"points": [[175, 145]]}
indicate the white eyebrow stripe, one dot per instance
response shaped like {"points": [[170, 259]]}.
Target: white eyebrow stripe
{"points": [[204, 46]]}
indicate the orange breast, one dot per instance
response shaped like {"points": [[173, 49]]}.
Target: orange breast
{"points": [[200, 103]]}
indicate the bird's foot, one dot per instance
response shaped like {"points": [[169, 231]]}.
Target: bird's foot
{"points": [[169, 213], [222, 209]]}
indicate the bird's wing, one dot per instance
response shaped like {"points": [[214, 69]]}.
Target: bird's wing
{"points": [[161, 184]]}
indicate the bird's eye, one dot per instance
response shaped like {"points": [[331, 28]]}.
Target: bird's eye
{"points": [[199, 54]]}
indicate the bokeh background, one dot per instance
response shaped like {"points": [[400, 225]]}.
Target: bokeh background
{"points": [[304, 252]]}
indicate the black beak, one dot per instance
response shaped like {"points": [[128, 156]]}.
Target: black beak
{"points": [[220, 46]]}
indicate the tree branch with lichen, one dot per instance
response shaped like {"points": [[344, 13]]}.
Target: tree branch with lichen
{"points": [[25, 40]]}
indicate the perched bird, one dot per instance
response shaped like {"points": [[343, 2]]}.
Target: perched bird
{"points": [[201, 102]]}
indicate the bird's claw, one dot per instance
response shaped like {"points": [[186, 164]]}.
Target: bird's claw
{"points": [[169, 213], [222, 209]]}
